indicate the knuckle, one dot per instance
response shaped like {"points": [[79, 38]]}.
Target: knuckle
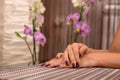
{"points": [[69, 45], [80, 43], [74, 43], [59, 53], [85, 46], [66, 51]]}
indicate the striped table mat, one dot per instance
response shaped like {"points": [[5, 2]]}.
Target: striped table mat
{"points": [[37, 72]]}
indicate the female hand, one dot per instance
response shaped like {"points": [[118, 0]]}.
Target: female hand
{"points": [[55, 63], [88, 60], [73, 53]]}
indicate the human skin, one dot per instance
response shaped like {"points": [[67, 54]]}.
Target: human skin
{"points": [[79, 55], [111, 60], [74, 51], [85, 60]]}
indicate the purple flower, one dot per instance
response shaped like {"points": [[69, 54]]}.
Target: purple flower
{"points": [[27, 30], [82, 28], [39, 38], [72, 17], [92, 2], [76, 16], [86, 12], [69, 17]]}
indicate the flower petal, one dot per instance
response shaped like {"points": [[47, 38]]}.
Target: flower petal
{"points": [[27, 30], [39, 38]]}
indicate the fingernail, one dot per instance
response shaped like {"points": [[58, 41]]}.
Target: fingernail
{"points": [[73, 65], [77, 65], [47, 65], [66, 62], [56, 66]]}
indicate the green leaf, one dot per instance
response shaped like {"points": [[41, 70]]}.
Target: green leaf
{"points": [[17, 34]]}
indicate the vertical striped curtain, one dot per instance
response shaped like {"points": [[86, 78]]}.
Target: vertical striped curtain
{"points": [[111, 19], [103, 20]]}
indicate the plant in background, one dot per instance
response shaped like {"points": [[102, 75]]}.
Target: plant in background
{"points": [[78, 21], [36, 17]]}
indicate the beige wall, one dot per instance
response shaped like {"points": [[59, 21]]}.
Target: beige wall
{"points": [[1, 30], [13, 16]]}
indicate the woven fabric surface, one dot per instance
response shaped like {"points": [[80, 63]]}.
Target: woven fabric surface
{"points": [[42, 73]]}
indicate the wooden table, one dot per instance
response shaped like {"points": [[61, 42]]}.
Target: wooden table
{"points": [[37, 72]]}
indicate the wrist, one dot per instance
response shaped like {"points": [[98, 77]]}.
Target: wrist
{"points": [[90, 50], [89, 60], [95, 59]]}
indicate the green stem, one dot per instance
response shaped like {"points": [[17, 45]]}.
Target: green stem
{"points": [[34, 45], [28, 47], [76, 36], [81, 13], [33, 60], [82, 9], [32, 55], [71, 34]]}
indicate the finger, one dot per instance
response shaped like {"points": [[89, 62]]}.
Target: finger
{"points": [[83, 50], [56, 66], [65, 66], [80, 45], [50, 63], [59, 55], [71, 56], [65, 57], [47, 64], [75, 48]]}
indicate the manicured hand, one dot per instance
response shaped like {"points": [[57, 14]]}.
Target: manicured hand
{"points": [[88, 60], [73, 53], [55, 63]]}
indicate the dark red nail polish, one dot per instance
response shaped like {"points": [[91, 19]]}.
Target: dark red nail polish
{"points": [[56, 66], [47, 65], [66, 62], [77, 65], [73, 65]]}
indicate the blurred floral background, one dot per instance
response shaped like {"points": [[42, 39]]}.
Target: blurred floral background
{"points": [[103, 19]]}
